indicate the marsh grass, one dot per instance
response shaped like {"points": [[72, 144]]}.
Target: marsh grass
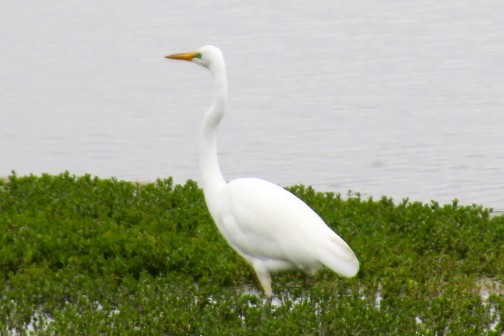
{"points": [[89, 256]]}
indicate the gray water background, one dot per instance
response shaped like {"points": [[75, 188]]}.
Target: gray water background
{"points": [[396, 98]]}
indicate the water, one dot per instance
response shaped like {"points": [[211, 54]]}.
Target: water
{"points": [[380, 97]]}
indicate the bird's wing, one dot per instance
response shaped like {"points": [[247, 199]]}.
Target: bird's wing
{"points": [[264, 220]]}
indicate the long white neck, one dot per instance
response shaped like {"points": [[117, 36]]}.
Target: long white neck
{"points": [[213, 181]]}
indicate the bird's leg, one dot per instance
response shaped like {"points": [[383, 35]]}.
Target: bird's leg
{"points": [[266, 309], [265, 279]]}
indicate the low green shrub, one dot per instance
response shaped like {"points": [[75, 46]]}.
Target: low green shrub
{"points": [[90, 256]]}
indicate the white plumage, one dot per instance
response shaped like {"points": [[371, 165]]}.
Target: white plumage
{"points": [[266, 224]]}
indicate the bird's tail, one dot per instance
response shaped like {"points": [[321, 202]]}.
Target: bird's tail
{"points": [[338, 256]]}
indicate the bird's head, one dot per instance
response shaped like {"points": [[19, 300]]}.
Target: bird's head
{"points": [[205, 56]]}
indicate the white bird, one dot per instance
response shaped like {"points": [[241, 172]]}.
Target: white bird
{"points": [[266, 224]]}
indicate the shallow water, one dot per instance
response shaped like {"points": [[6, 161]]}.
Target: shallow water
{"points": [[383, 98]]}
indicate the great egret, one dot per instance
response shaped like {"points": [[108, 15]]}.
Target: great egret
{"points": [[266, 224]]}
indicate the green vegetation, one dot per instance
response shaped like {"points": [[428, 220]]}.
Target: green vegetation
{"points": [[89, 256]]}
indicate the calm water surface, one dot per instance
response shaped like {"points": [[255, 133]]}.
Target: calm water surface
{"points": [[380, 97]]}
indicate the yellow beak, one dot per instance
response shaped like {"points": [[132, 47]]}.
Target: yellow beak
{"points": [[187, 56]]}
